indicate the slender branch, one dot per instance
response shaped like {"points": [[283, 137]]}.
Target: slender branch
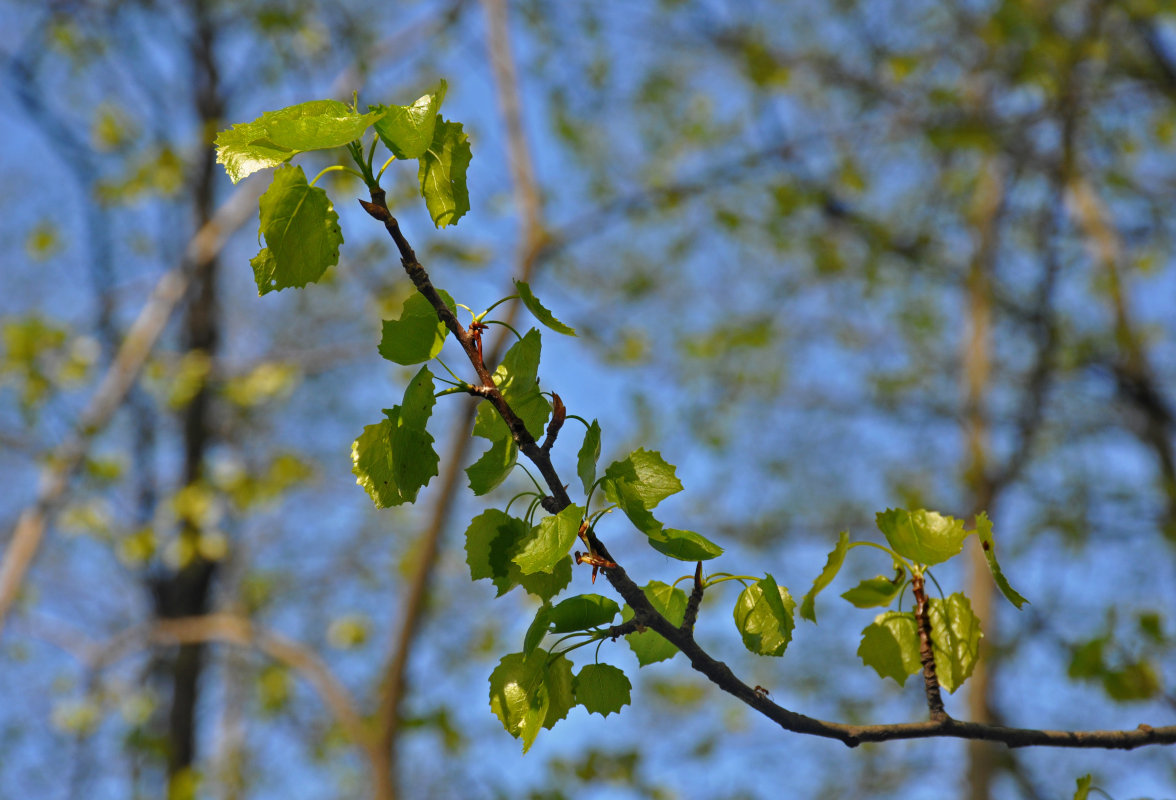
{"points": [[691, 615], [926, 650]]}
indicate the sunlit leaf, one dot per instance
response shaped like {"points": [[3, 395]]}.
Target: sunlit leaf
{"points": [[684, 545], [588, 455], [891, 646], [442, 174], [519, 695], [408, 130], [925, 537], [418, 335], [277, 136], [650, 476], [550, 541], [877, 591], [394, 459], [649, 646], [763, 616], [560, 690], [541, 313], [988, 545], [302, 234], [833, 564], [955, 639]]}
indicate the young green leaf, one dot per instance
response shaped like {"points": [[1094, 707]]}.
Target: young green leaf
{"points": [[545, 585], [763, 615], [891, 646], [651, 478], [650, 646], [560, 690], [836, 558], [493, 467], [418, 335], [442, 173], [519, 695], [581, 612], [587, 457], [550, 541], [394, 459], [541, 313], [1082, 792], [955, 636], [408, 130], [491, 541], [684, 545], [625, 495], [277, 136], [517, 378], [988, 544], [537, 629], [874, 592], [925, 537], [302, 234], [602, 689]]}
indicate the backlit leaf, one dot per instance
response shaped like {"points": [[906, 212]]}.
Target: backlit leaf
{"points": [[541, 313], [301, 230], [537, 629], [877, 591], [442, 173], [684, 545], [925, 537], [519, 695], [891, 646], [650, 476], [988, 545], [833, 564], [550, 541], [418, 335], [408, 130], [649, 646], [517, 378], [277, 136], [955, 638], [394, 459], [491, 469], [763, 615], [587, 457], [560, 690]]}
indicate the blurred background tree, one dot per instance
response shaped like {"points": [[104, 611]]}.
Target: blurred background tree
{"points": [[829, 258]]}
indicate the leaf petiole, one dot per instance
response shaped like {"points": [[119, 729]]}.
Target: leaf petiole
{"points": [[335, 168]]}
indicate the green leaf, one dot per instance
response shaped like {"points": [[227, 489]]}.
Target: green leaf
{"points": [[650, 646], [302, 234], [763, 615], [988, 545], [1135, 681], [394, 459], [517, 378], [625, 495], [277, 136], [925, 537], [1082, 792], [955, 638], [542, 314], [891, 646], [493, 467], [560, 690], [581, 612], [519, 695], [878, 591], [550, 541], [492, 539], [651, 478], [836, 558], [587, 457], [538, 629], [442, 173], [418, 335], [408, 130], [602, 689], [545, 585], [684, 545]]}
